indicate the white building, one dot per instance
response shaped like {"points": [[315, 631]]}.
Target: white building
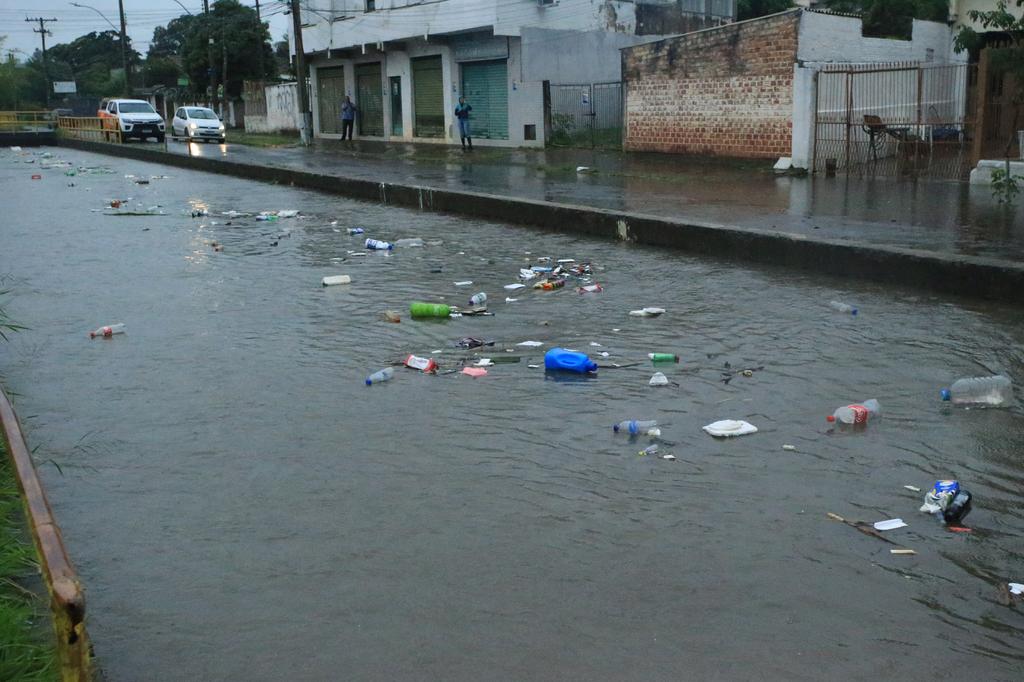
{"points": [[406, 62]]}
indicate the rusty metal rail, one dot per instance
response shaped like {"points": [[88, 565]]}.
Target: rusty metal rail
{"points": [[67, 600]]}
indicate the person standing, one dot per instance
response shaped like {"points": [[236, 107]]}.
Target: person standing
{"points": [[462, 114], [348, 117]]}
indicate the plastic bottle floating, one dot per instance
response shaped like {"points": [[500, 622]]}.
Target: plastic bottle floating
{"points": [[856, 414], [381, 376], [636, 427], [647, 312], [841, 307], [550, 284], [590, 289], [560, 359], [991, 391], [379, 245], [107, 331], [422, 310]]}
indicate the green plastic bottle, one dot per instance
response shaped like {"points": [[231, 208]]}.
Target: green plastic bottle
{"points": [[420, 309], [663, 357]]}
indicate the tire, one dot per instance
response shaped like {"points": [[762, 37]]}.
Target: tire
{"points": [[222, 140], [160, 139]]}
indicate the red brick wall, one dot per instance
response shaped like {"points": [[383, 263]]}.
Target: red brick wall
{"points": [[725, 91]]}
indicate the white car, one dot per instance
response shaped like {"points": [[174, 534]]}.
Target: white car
{"points": [[197, 123], [135, 118]]}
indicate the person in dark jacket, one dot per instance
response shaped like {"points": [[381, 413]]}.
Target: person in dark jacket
{"points": [[462, 114], [348, 117]]}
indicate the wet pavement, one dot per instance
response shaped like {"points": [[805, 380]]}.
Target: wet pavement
{"points": [[934, 215], [241, 506]]}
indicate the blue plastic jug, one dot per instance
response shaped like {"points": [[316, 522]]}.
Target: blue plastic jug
{"points": [[568, 361]]}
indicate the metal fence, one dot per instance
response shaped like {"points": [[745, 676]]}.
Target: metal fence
{"points": [[895, 119], [90, 128], [586, 115]]}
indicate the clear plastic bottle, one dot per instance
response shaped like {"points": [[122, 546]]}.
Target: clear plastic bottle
{"points": [[856, 413], [355, 230], [995, 390], [841, 307], [108, 331], [478, 299], [634, 426], [379, 245], [381, 376]]}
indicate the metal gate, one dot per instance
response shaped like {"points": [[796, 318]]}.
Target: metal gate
{"points": [[330, 93], [427, 97], [586, 115], [895, 119], [485, 87], [370, 99]]}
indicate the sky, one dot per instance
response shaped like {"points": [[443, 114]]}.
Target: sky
{"points": [[142, 16]]}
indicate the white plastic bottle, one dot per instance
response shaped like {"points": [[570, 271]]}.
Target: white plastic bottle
{"points": [[478, 299], [108, 331], [857, 413], [995, 390], [379, 245], [381, 376], [634, 426], [841, 307]]}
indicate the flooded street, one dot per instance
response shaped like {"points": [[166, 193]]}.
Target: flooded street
{"points": [[241, 506]]}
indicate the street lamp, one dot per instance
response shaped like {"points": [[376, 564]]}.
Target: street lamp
{"points": [[124, 39], [183, 7]]}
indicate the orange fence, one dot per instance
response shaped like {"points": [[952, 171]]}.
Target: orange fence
{"points": [[90, 128], [67, 600]]}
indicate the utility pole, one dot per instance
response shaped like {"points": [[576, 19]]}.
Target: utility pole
{"points": [[124, 50], [306, 117], [209, 56], [259, 28], [42, 34]]}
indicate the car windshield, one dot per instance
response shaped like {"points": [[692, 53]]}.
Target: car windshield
{"points": [[202, 113], [135, 108]]}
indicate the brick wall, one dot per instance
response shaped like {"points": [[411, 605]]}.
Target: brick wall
{"points": [[726, 91]]}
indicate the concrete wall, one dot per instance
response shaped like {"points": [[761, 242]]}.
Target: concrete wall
{"points": [[554, 55], [282, 111], [725, 91], [831, 38], [402, 19]]}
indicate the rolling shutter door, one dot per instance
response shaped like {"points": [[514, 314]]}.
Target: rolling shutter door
{"points": [[427, 97], [370, 99], [485, 87], [330, 93]]}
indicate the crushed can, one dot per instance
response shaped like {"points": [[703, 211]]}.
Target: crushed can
{"points": [[422, 364]]}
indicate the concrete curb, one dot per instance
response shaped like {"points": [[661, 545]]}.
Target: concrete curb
{"points": [[972, 276], [67, 600]]}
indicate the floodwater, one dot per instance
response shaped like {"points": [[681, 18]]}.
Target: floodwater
{"points": [[241, 506]]}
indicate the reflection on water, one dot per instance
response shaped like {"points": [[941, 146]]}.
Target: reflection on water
{"points": [[232, 489]]}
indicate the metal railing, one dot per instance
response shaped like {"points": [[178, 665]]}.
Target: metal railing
{"points": [[26, 122], [92, 128]]}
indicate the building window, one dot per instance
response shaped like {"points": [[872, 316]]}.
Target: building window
{"points": [[371, 5]]}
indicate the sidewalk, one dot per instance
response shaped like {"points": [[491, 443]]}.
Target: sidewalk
{"points": [[941, 216]]}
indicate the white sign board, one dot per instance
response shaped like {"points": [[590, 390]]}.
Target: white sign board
{"points": [[64, 87]]}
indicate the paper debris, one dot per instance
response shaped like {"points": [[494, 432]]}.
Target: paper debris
{"points": [[891, 524]]}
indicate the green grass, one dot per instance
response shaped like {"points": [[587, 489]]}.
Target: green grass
{"points": [[26, 647], [262, 139]]}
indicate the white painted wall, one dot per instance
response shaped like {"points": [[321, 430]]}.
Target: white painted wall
{"points": [[829, 38], [402, 19], [282, 111], [574, 56]]}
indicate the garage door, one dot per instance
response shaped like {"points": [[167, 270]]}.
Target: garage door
{"points": [[485, 87], [427, 97], [330, 93], [370, 99]]}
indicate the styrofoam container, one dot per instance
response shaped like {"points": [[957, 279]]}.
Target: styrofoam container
{"points": [[336, 279]]}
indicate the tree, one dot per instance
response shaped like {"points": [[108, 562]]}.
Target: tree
{"points": [[282, 58], [750, 9], [237, 36], [892, 18], [160, 71], [169, 40]]}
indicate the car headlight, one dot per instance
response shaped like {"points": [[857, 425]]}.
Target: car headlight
{"points": [[221, 127], [193, 125]]}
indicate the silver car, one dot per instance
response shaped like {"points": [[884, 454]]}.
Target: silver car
{"points": [[197, 123]]}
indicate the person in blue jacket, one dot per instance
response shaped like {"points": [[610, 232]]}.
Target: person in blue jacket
{"points": [[462, 114], [348, 117]]}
